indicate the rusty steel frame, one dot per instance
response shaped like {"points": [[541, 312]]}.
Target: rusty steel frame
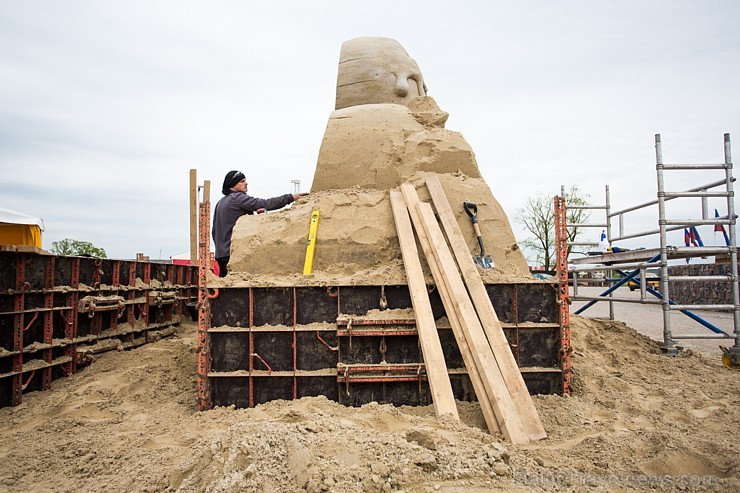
{"points": [[258, 366], [561, 263], [204, 310], [251, 349], [18, 306], [31, 331], [48, 322], [208, 391]]}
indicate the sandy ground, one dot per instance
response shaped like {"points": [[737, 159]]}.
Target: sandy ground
{"points": [[128, 423]]}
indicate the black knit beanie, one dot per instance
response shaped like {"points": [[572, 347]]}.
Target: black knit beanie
{"points": [[232, 178]]}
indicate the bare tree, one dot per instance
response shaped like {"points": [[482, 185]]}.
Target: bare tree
{"points": [[538, 218]]}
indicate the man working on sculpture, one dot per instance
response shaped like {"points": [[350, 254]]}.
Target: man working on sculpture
{"points": [[234, 205]]}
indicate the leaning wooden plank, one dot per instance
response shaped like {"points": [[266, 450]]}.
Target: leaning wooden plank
{"points": [[503, 406], [490, 395], [431, 349], [489, 320], [412, 199]]}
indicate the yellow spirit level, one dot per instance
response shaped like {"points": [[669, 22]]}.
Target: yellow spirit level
{"points": [[311, 244]]}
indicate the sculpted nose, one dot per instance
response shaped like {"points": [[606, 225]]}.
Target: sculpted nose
{"points": [[402, 85]]}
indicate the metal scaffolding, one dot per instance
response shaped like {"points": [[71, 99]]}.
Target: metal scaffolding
{"points": [[621, 266]]}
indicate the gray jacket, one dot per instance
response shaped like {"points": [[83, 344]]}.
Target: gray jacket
{"points": [[232, 207]]}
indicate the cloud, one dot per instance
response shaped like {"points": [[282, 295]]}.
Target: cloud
{"points": [[105, 106]]}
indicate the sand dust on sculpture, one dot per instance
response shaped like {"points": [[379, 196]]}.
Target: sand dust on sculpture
{"points": [[387, 134], [637, 421]]}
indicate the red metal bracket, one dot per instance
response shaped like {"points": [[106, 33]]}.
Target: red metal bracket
{"points": [[318, 336], [269, 368], [204, 308], [561, 264]]}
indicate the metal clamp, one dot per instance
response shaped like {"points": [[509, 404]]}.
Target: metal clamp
{"points": [[269, 368], [318, 336]]}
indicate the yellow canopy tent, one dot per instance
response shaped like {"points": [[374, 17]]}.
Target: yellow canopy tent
{"points": [[20, 229]]}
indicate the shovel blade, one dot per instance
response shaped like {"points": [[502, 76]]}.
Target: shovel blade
{"points": [[485, 262]]}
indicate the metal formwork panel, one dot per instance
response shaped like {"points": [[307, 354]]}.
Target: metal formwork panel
{"points": [[56, 311], [284, 343]]}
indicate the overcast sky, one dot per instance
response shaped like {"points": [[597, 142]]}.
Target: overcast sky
{"points": [[106, 105]]}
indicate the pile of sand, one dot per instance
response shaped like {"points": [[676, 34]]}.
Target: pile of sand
{"points": [[357, 242], [128, 422], [368, 150]]}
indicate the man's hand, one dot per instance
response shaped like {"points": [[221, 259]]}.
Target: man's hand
{"points": [[297, 196], [260, 211]]}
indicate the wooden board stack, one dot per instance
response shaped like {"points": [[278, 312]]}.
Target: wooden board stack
{"points": [[506, 404]]}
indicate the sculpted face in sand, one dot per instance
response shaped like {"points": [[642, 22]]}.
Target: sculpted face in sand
{"points": [[377, 70], [385, 131]]}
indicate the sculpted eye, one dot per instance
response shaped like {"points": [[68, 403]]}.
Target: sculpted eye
{"points": [[421, 87]]}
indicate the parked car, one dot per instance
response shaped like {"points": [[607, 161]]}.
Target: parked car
{"points": [[651, 282], [542, 276]]}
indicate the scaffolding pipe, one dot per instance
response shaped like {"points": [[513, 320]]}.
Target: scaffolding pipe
{"points": [[615, 299], [694, 166], [646, 233], [633, 265], [733, 245], [653, 202], [612, 288], [700, 251], [666, 225], [727, 308], [609, 241], [702, 194], [702, 337], [668, 344], [697, 222], [727, 278]]}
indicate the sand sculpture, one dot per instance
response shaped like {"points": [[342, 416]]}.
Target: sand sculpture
{"points": [[385, 131]]}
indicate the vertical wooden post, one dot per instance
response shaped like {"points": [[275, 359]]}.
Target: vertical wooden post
{"points": [[193, 217], [207, 191]]}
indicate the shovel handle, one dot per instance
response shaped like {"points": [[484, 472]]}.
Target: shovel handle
{"points": [[472, 209], [476, 228]]}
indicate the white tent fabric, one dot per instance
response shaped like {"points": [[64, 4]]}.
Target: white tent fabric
{"points": [[11, 217]]}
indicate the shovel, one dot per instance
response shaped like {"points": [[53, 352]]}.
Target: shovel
{"points": [[483, 260]]}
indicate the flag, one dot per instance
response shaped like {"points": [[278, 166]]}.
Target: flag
{"points": [[695, 238], [687, 241], [603, 243], [721, 227]]}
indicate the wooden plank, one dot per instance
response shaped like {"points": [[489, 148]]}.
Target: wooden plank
{"points": [[489, 320], [207, 191], [193, 217], [23, 249], [496, 388], [431, 348], [409, 193]]}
